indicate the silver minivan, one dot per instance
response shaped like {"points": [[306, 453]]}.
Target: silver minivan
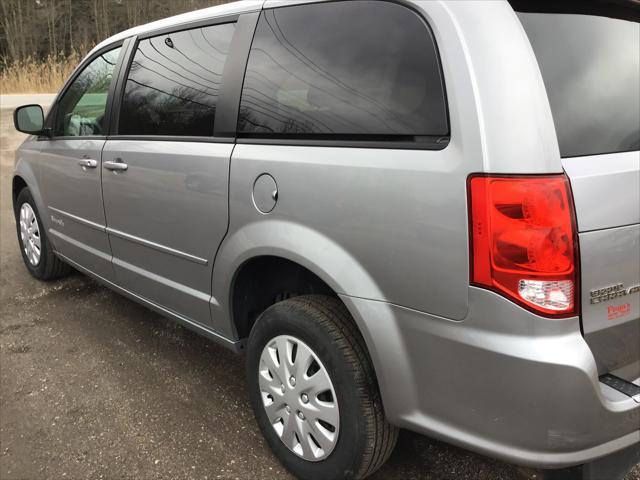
{"points": [[407, 213]]}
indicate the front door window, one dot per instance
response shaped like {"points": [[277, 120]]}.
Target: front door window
{"points": [[81, 109]]}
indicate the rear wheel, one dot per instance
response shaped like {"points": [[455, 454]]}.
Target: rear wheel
{"points": [[314, 392], [36, 250]]}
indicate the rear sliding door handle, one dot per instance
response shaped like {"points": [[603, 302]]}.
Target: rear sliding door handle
{"points": [[87, 163], [116, 166]]}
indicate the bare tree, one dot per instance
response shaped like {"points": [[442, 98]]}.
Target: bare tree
{"points": [[42, 28]]}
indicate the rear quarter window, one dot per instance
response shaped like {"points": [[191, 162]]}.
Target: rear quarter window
{"points": [[356, 70], [591, 70]]}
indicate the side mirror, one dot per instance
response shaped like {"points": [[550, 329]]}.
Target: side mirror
{"points": [[29, 119]]}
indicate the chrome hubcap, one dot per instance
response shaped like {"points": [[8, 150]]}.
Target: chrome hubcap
{"points": [[30, 234], [299, 398]]}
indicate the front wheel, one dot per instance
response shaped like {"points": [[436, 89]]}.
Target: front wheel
{"points": [[36, 250], [314, 392]]}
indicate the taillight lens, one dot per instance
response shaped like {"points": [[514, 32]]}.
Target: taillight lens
{"points": [[523, 240]]}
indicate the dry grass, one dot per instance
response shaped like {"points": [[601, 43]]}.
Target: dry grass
{"points": [[37, 76]]}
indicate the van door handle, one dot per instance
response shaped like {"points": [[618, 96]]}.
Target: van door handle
{"points": [[87, 163], [117, 165]]}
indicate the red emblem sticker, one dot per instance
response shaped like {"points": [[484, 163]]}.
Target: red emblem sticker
{"points": [[615, 312]]}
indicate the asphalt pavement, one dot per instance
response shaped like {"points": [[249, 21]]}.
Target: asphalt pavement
{"points": [[95, 386]]}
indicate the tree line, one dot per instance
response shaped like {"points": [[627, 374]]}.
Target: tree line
{"points": [[41, 29]]}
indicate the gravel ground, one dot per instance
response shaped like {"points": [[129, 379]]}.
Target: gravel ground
{"points": [[94, 386]]}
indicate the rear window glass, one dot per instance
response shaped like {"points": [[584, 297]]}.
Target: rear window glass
{"points": [[173, 83], [343, 70], [591, 69]]}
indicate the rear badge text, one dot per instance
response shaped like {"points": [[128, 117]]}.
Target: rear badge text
{"points": [[612, 292]]}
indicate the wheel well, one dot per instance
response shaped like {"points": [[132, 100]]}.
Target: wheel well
{"points": [[17, 186], [263, 281]]}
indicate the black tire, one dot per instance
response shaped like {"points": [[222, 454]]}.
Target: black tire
{"points": [[50, 267], [365, 439]]}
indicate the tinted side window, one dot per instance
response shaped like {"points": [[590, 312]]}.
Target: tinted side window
{"points": [[81, 109], [173, 83], [591, 69], [343, 70]]}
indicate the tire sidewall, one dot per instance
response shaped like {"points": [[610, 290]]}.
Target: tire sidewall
{"points": [[289, 319], [38, 271]]}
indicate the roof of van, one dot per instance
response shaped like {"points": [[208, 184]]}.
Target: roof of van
{"points": [[243, 6]]}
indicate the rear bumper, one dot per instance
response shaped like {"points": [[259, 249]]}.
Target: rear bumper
{"points": [[503, 382]]}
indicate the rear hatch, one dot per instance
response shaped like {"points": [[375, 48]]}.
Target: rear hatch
{"points": [[589, 56]]}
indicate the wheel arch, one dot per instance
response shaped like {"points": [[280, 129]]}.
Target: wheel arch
{"points": [[265, 280], [17, 185], [325, 265], [24, 176]]}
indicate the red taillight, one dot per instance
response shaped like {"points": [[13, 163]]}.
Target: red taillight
{"points": [[523, 242]]}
